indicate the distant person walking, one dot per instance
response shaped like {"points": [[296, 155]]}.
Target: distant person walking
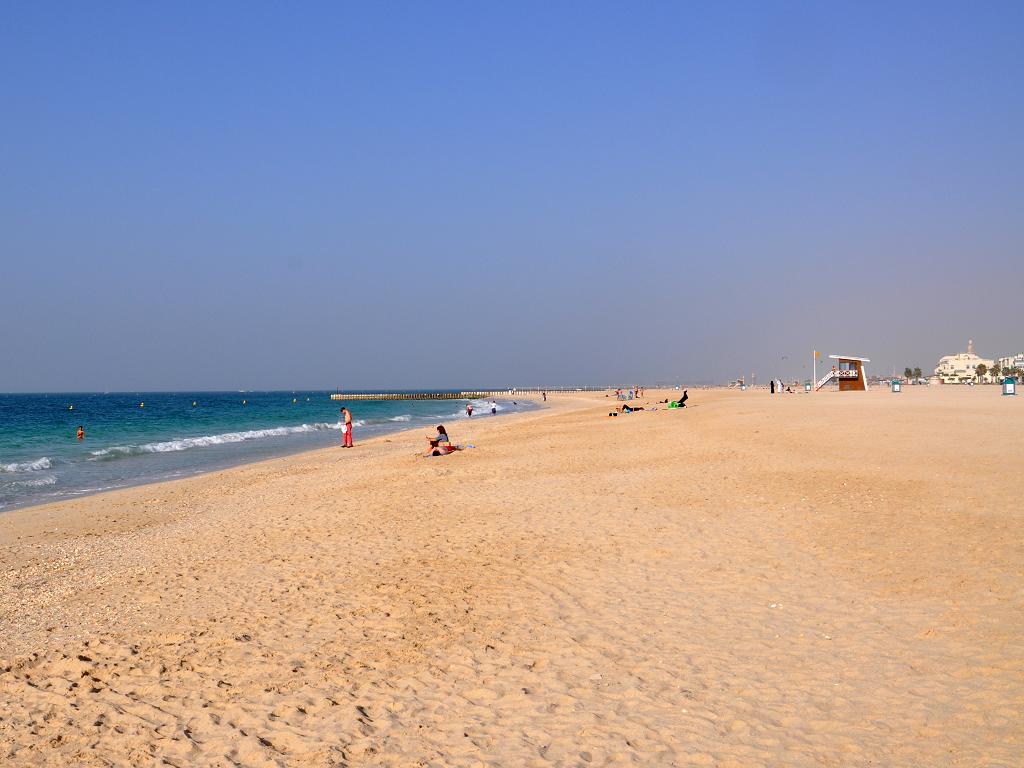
{"points": [[469, 410], [772, 386], [494, 408], [346, 429], [545, 394]]}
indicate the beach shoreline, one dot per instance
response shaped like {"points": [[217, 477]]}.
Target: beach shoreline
{"points": [[183, 450], [753, 580], [40, 517]]}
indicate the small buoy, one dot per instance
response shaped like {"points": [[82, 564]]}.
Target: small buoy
{"points": [[71, 407], [193, 403], [142, 405], [295, 400], [245, 402], [307, 399]]}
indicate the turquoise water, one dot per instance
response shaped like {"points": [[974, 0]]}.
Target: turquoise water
{"points": [[125, 444]]}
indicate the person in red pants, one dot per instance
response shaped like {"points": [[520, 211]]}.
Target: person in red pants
{"points": [[346, 429]]}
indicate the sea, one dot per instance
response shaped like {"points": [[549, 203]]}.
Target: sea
{"points": [[142, 437]]}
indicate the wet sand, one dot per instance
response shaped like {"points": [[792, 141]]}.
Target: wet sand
{"points": [[800, 580]]}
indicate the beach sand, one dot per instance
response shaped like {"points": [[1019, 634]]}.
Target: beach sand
{"points": [[799, 580]]}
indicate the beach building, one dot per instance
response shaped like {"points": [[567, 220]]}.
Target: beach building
{"points": [[963, 367], [849, 371]]}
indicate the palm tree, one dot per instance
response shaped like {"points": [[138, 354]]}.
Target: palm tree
{"points": [[996, 371], [907, 373], [917, 374], [980, 371]]}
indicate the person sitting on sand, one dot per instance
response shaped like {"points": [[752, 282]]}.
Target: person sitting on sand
{"points": [[438, 445]]}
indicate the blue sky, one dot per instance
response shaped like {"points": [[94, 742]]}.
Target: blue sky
{"points": [[255, 195]]}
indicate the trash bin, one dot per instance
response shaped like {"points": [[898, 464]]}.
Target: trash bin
{"points": [[897, 385], [1009, 386]]}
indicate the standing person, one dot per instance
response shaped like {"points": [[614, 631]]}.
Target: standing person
{"points": [[545, 396], [346, 429], [772, 386], [469, 410], [494, 408]]}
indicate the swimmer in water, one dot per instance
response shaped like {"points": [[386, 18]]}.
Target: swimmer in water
{"points": [[81, 432]]}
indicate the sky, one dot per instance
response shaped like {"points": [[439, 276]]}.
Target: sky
{"points": [[404, 195]]}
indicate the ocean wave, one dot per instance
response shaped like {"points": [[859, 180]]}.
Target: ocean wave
{"points": [[480, 408], [27, 466], [403, 417], [37, 482], [203, 441]]}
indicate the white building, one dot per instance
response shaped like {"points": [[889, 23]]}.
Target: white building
{"points": [[1017, 361], [963, 367]]}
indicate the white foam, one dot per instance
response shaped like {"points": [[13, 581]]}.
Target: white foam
{"points": [[184, 443], [403, 417], [27, 466], [36, 483], [480, 407]]}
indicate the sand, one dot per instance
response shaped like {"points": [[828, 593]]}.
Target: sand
{"points": [[798, 580]]}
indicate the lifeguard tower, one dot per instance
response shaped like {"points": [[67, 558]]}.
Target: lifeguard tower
{"points": [[849, 371]]}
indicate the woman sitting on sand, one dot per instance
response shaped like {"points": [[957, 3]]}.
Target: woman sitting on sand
{"points": [[439, 445]]}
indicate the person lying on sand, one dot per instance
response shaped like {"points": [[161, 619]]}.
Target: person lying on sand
{"points": [[629, 409], [440, 445]]}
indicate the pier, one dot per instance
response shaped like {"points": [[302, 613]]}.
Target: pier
{"points": [[455, 395]]}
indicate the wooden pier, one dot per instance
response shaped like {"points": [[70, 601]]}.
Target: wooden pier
{"points": [[409, 396], [453, 395]]}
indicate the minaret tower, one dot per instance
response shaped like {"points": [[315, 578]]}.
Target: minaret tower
{"points": [[970, 346]]}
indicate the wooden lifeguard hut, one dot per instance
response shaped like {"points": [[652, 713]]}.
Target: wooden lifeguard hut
{"points": [[849, 371]]}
